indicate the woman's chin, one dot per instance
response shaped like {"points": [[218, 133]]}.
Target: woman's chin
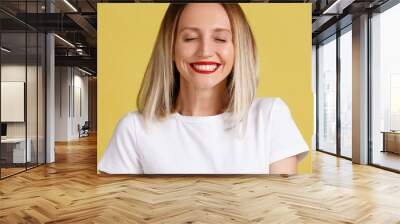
{"points": [[203, 82], [204, 85]]}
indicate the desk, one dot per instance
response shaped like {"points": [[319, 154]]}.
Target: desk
{"points": [[16, 147], [391, 141]]}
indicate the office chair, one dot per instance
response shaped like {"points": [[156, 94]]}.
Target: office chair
{"points": [[84, 130]]}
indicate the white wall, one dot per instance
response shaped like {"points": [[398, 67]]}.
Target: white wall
{"points": [[71, 94], [16, 73], [62, 81], [79, 110]]}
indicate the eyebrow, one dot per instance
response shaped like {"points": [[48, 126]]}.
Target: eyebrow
{"points": [[197, 29]]}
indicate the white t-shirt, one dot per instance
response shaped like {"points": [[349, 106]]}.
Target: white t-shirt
{"points": [[200, 145]]}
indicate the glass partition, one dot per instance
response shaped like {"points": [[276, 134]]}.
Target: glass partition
{"points": [[327, 95], [22, 88], [41, 85], [14, 154], [385, 89], [346, 93], [31, 100]]}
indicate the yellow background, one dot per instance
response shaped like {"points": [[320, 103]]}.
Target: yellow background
{"points": [[126, 36]]}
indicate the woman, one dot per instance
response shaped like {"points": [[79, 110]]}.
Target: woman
{"points": [[197, 111]]}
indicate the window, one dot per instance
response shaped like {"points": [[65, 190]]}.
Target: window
{"points": [[385, 88], [327, 95], [346, 93]]}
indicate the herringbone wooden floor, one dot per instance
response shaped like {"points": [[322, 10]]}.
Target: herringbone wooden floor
{"points": [[70, 191]]}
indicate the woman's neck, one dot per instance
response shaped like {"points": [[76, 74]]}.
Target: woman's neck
{"points": [[202, 102]]}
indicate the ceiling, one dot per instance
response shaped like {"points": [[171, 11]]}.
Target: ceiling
{"points": [[76, 22]]}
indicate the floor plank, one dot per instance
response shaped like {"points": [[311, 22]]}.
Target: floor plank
{"points": [[70, 191]]}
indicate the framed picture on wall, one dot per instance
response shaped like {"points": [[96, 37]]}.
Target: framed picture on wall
{"points": [[12, 101]]}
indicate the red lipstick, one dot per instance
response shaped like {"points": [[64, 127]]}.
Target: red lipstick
{"points": [[205, 67]]}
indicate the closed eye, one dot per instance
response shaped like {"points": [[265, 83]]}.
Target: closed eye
{"points": [[220, 40], [189, 39]]}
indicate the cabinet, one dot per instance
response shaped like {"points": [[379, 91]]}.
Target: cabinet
{"points": [[391, 141], [13, 150]]}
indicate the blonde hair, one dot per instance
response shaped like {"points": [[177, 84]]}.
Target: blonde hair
{"points": [[160, 86]]}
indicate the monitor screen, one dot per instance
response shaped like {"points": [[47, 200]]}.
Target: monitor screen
{"points": [[3, 129]]}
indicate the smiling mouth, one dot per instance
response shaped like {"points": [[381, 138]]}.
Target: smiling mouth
{"points": [[205, 67]]}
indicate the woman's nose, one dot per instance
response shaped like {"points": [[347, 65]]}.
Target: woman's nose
{"points": [[206, 48]]}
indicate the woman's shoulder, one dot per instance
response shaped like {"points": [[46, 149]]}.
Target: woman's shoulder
{"points": [[267, 103], [129, 116], [128, 120]]}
